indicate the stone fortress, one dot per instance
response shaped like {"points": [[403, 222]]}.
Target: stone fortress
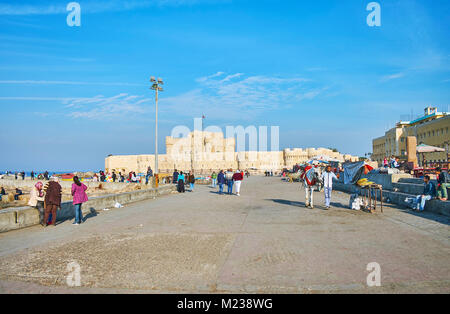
{"points": [[205, 152]]}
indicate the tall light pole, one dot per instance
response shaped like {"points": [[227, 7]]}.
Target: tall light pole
{"points": [[157, 88]]}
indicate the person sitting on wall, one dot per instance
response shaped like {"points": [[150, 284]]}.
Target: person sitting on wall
{"points": [[17, 194], [443, 180], [395, 163], [2, 192], [429, 193]]}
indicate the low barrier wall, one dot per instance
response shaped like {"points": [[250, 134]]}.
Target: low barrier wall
{"points": [[109, 186], [21, 217], [394, 197]]}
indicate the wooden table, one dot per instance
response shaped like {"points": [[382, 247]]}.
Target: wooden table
{"points": [[372, 201]]}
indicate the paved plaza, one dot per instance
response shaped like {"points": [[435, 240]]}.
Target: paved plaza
{"points": [[264, 241]]}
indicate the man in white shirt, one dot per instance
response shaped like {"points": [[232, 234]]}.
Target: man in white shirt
{"points": [[327, 177]]}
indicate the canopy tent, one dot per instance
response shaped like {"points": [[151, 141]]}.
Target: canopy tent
{"points": [[353, 171], [316, 162], [423, 149]]}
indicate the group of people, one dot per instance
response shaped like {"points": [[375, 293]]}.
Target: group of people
{"points": [[47, 200], [432, 191], [392, 162], [230, 179], [17, 193], [268, 173], [223, 178], [33, 175], [181, 179], [131, 177]]}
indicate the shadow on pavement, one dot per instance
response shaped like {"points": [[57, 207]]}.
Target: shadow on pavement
{"points": [[427, 215], [286, 202]]}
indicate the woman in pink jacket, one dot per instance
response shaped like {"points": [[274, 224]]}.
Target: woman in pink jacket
{"points": [[79, 197]]}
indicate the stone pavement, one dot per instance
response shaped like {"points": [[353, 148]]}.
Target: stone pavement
{"points": [[264, 241]]}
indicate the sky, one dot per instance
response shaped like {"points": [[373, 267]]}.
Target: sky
{"points": [[70, 96]]}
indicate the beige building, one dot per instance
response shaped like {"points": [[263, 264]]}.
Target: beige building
{"points": [[431, 129], [207, 151]]}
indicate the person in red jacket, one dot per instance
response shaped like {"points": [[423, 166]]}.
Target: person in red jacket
{"points": [[237, 179]]}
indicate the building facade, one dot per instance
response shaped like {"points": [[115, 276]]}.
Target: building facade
{"points": [[431, 129], [207, 151]]}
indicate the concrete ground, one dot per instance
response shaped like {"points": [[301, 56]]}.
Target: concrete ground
{"points": [[264, 241]]}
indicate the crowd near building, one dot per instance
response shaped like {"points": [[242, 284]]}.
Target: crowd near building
{"points": [[431, 129], [205, 152]]}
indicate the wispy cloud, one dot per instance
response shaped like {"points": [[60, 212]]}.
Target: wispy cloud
{"points": [[97, 107], [205, 78], [96, 6], [220, 95], [101, 107], [392, 77], [31, 82]]}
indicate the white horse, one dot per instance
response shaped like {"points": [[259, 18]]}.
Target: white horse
{"points": [[311, 177]]}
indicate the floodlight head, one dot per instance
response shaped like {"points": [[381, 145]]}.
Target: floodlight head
{"points": [[154, 86], [160, 81], [160, 89], [152, 79]]}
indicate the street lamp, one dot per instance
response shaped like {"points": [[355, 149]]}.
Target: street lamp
{"points": [[157, 88]]}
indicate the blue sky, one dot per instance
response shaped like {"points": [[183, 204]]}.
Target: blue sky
{"points": [[69, 96]]}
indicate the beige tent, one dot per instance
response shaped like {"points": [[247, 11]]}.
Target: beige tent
{"points": [[422, 149]]}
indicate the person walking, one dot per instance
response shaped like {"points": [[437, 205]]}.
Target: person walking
{"points": [[327, 178], [37, 200], [214, 179], [32, 175], [221, 181], [237, 179], [191, 180], [229, 179], [79, 197], [52, 199], [175, 177], [149, 174], [180, 187], [114, 176]]}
